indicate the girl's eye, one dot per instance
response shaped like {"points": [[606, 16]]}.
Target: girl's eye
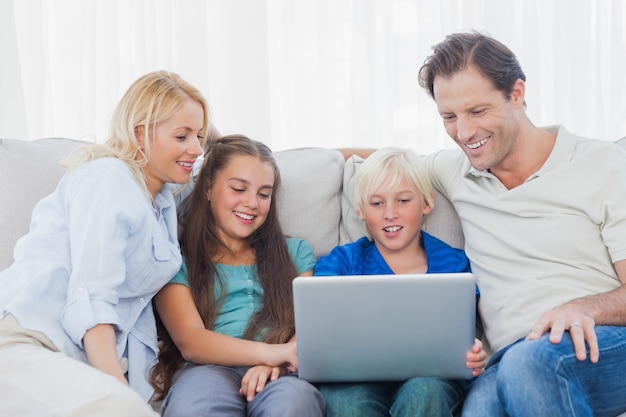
{"points": [[405, 200], [238, 190], [181, 138], [265, 196], [200, 137]]}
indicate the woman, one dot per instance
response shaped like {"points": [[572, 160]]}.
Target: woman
{"points": [[77, 327]]}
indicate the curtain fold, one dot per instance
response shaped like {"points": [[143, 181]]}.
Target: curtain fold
{"points": [[320, 73]]}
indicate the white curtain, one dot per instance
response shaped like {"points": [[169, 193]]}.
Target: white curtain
{"points": [[297, 73]]}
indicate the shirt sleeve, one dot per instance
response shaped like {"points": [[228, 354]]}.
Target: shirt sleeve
{"points": [[613, 208], [335, 263], [182, 276], [103, 207], [302, 254]]}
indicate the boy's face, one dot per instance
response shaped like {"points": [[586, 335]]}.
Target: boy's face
{"points": [[394, 217]]}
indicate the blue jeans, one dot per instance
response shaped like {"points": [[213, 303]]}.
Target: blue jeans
{"points": [[213, 391], [427, 397], [538, 378]]}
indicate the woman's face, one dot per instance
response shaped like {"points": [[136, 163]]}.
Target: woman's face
{"points": [[240, 198], [174, 147]]}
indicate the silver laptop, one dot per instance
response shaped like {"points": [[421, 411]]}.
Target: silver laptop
{"points": [[384, 327]]}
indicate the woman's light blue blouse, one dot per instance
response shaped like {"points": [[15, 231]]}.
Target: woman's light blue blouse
{"points": [[243, 292], [97, 251]]}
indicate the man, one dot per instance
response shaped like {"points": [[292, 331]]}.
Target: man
{"points": [[544, 217]]}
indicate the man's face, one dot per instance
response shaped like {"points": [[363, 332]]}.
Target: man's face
{"points": [[479, 118]]}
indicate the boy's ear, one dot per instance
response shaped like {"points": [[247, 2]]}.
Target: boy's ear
{"points": [[427, 207], [360, 215]]}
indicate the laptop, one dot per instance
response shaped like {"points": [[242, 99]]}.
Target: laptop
{"points": [[384, 327]]}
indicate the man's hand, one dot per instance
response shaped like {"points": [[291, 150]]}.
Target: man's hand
{"points": [[581, 327]]}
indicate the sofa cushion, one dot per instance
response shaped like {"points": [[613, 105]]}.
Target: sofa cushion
{"points": [[29, 170], [442, 222], [309, 203], [352, 228]]}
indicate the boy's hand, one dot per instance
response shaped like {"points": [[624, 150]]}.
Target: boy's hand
{"points": [[476, 359]]}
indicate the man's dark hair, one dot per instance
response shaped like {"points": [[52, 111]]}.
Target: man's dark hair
{"points": [[459, 51]]}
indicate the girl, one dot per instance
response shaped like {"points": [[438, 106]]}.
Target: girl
{"points": [[77, 323], [392, 196], [230, 344]]}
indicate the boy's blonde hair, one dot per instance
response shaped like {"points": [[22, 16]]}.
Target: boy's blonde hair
{"points": [[386, 169]]}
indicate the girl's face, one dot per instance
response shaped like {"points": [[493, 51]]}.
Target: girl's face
{"points": [[394, 217], [174, 147], [240, 198]]}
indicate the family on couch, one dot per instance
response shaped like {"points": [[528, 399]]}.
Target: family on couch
{"points": [[543, 214]]}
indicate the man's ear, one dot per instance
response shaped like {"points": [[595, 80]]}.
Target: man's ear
{"points": [[518, 93]]}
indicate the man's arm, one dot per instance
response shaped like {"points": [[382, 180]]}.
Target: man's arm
{"points": [[581, 315]]}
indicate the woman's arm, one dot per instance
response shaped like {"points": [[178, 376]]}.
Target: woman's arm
{"points": [[197, 344], [99, 343]]}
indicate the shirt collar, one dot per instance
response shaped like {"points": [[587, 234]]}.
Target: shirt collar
{"points": [[562, 151], [163, 200]]}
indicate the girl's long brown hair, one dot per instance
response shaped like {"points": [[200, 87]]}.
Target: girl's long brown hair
{"points": [[274, 323]]}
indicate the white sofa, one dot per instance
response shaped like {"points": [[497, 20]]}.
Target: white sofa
{"points": [[315, 202]]}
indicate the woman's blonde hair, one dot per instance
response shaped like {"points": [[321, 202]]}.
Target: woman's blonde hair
{"points": [[386, 169], [150, 100]]}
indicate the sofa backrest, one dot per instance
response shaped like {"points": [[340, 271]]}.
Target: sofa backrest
{"points": [[312, 202], [29, 170], [309, 202], [315, 202]]}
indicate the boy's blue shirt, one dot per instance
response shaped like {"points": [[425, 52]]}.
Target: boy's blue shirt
{"points": [[363, 258]]}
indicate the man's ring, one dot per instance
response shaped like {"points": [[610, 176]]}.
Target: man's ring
{"points": [[575, 324]]}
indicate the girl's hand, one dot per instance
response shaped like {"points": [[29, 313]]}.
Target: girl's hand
{"points": [[476, 359], [282, 355], [257, 377]]}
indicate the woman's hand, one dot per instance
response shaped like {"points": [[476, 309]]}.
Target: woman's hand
{"points": [[257, 377], [99, 342], [476, 359]]}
